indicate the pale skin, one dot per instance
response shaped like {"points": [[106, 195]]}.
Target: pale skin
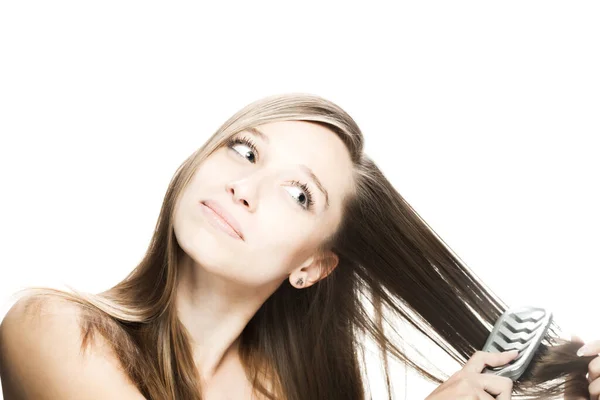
{"points": [[223, 281]]}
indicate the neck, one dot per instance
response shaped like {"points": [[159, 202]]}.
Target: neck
{"points": [[214, 312]]}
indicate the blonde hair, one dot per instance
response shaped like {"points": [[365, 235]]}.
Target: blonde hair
{"points": [[389, 258]]}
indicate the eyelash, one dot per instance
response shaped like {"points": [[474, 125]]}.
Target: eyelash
{"points": [[248, 142]]}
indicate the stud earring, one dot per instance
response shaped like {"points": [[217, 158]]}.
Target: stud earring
{"points": [[300, 282]]}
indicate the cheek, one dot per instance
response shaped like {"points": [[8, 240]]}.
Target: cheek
{"points": [[279, 226], [279, 248]]}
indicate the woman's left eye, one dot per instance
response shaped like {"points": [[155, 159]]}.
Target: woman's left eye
{"points": [[307, 195], [308, 202]]}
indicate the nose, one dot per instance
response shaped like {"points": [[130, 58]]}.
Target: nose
{"points": [[242, 192], [246, 190]]}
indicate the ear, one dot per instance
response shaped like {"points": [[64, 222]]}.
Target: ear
{"points": [[314, 269]]}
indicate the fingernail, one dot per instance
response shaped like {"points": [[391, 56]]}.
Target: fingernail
{"points": [[512, 352], [581, 351]]}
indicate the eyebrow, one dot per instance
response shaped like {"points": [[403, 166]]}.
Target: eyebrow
{"points": [[306, 169]]}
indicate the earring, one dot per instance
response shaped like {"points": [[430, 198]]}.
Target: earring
{"points": [[300, 281]]}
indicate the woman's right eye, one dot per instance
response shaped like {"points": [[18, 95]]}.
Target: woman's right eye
{"points": [[231, 143]]}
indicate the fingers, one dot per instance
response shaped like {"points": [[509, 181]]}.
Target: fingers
{"points": [[594, 390], [481, 359], [499, 386], [594, 369], [593, 376], [570, 387], [592, 347], [495, 385]]}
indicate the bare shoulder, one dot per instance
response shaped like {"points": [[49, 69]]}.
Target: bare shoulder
{"points": [[41, 357]]}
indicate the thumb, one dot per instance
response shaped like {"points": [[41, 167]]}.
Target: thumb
{"points": [[570, 393]]}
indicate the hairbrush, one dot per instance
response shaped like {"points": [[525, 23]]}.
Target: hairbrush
{"points": [[519, 328]]}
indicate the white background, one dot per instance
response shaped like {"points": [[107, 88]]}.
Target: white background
{"points": [[485, 116]]}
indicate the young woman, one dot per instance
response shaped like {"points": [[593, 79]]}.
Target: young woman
{"points": [[274, 241]]}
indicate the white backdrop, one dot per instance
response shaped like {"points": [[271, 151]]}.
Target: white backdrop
{"points": [[484, 115]]}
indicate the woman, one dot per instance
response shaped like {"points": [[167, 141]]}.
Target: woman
{"points": [[273, 242]]}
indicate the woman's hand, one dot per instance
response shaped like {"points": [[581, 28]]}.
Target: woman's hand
{"points": [[590, 349], [470, 384]]}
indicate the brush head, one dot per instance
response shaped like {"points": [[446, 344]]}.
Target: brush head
{"points": [[519, 328]]}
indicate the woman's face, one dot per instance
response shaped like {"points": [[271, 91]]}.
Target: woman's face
{"points": [[281, 222]]}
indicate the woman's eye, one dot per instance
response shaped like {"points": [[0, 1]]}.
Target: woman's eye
{"points": [[246, 142], [305, 199], [305, 196]]}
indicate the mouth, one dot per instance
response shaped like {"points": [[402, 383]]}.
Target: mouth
{"points": [[222, 219]]}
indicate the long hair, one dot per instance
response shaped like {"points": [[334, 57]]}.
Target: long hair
{"points": [[392, 267]]}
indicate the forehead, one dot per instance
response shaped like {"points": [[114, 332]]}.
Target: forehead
{"points": [[317, 147]]}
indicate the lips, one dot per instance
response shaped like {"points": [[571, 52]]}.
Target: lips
{"points": [[228, 218]]}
